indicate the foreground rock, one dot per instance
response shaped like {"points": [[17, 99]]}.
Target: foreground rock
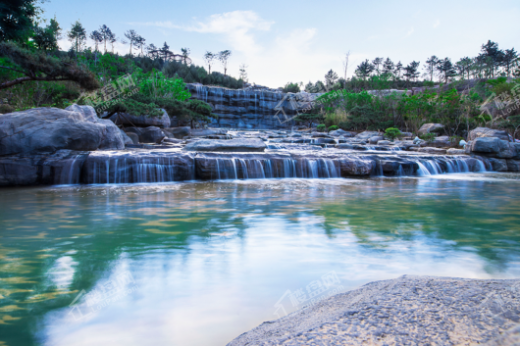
{"points": [[487, 132], [51, 129], [232, 145], [410, 310]]}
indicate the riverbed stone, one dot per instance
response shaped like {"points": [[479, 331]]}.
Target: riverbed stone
{"points": [[499, 165], [366, 135], [513, 165], [151, 134], [431, 128], [340, 132], [492, 145], [126, 138], [384, 142], [430, 150], [375, 139], [454, 151], [232, 145], [133, 136], [112, 138], [177, 132]]}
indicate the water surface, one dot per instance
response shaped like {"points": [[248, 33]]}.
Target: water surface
{"points": [[198, 263]]}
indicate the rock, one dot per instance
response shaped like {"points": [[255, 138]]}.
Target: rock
{"points": [[326, 140], [375, 139], [513, 165], [320, 134], [177, 132], [406, 134], [126, 138], [151, 134], [431, 150], [134, 137], [206, 132], [367, 134], [499, 165], [51, 129], [142, 120], [88, 112], [344, 146], [340, 132], [384, 142], [441, 142], [399, 312], [173, 140], [487, 132], [113, 138], [431, 128], [233, 145], [454, 151], [295, 134], [489, 145]]}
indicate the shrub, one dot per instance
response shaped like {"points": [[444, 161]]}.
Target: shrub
{"points": [[321, 128], [291, 88], [333, 128], [428, 137], [456, 139], [393, 133], [338, 116]]}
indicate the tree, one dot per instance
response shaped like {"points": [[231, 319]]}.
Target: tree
{"points": [[223, 57], [153, 51], [345, 64], [140, 42], [16, 19], [364, 70], [47, 38], [39, 66], [412, 70], [510, 57], [431, 64], [243, 73], [464, 66], [112, 39], [445, 67], [165, 51], [309, 118], [388, 66], [185, 52], [330, 79], [493, 54], [398, 69], [377, 62], [97, 38], [208, 58], [105, 34], [131, 35], [78, 36]]}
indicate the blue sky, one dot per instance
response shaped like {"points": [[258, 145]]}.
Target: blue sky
{"points": [[282, 41]]}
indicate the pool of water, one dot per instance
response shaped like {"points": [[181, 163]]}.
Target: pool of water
{"points": [[198, 263]]}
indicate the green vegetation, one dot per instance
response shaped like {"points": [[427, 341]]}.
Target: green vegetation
{"points": [[428, 137], [333, 128], [321, 128], [393, 133]]}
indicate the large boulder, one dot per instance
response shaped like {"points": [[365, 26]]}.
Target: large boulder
{"points": [[126, 139], [177, 132], [134, 137], [231, 145], [513, 165], [431, 128], [365, 136], [487, 132], [441, 142], [151, 134], [51, 129], [375, 139], [489, 145], [113, 138], [125, 119], [340, 132]]}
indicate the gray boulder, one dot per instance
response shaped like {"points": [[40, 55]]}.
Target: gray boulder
{"points": [[487, 132], [345, 146], [177, 132], [431, 128], [320, 134], [513, 165], [151, 134], [113, 138], [499, 165], [454, 151], [142, 120], [340, 132], [231, 145], [384, 142], [51, 129], [491, 145], [133, 136], [441, 142], [375, 139], [326, 140], [431, 150], [126, 138], [367, 134]]}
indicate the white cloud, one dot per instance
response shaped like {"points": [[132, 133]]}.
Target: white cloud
{"points": [[436, 24], [410, 32]]}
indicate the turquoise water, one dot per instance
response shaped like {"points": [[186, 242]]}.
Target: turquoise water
{"points": [[198, 263]]}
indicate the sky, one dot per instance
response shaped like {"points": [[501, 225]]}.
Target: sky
{"points": [[289, 41]]}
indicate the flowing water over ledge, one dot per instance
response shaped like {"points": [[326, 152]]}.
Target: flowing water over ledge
{"points": [[198, 263]]}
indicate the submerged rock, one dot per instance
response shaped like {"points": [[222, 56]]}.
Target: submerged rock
{"points": [[231, 145]]}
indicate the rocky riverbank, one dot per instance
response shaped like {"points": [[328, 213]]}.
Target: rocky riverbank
{"points": [[410, 310], [54, 146]]}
